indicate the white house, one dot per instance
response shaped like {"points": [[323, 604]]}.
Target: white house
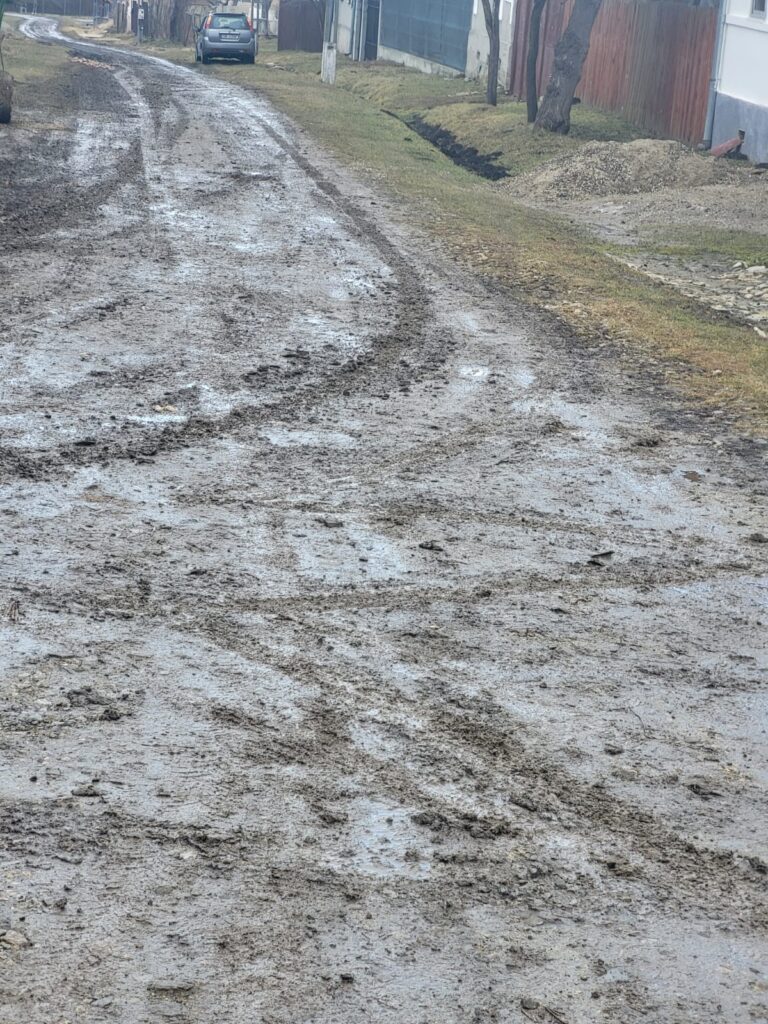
{"points": [[741, 77]]}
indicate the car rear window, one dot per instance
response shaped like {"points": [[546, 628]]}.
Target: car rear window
{"points": [[229, 21]]}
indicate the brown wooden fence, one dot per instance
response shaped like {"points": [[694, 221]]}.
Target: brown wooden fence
{"points": [[649, 60]]}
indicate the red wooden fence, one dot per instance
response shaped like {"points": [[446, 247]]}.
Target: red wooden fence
{"points": [[649, 60]]}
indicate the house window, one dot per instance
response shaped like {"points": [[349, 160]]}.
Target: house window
{"points": [[758, 8]]}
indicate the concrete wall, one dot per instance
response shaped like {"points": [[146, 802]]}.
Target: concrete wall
{"points": [[742, 88], [477, 47], [733, 115]]}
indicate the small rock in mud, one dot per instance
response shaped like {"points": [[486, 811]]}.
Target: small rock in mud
{"points": [[619, 865], [702, 789], [330, 521], [333, 817], [613, 748], [88, 790], [529, 1004], [431, 545], [15, 939], [600, 558], [170, 988], [84, 696], [757, 538]]}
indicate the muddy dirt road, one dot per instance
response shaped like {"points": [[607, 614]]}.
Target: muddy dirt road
{"points": [[370, 651]]}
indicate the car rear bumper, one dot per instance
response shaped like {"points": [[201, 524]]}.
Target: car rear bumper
{"points": [[216, 49]]}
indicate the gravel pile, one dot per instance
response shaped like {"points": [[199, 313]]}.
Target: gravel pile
{"points": [[621, 168]]}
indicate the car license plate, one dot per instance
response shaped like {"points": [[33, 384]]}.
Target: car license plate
{"points": [[229, 37]]}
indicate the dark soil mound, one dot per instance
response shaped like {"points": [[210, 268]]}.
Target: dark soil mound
{"points": [[483, 164]]}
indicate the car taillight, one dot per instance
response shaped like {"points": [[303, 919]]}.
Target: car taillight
{"points": [[248, 23]]}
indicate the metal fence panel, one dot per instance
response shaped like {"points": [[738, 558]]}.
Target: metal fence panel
{"points": [[436, 30]]}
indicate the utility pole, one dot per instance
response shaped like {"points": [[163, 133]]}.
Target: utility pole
{"points": [[330, 35]]}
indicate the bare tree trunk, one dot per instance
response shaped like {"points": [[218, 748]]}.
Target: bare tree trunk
{"points": [[570, 54], [531, 82], [167, 20], [491, 12]]}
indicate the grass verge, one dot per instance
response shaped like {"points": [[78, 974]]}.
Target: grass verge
{"points": [[749, 247], [537, 255]]}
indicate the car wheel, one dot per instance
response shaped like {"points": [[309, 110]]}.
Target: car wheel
{"points": [[251, 58], [197, 57], [205, 59]]}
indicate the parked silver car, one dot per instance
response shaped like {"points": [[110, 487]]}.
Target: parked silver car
{"points": [[226, 35]]}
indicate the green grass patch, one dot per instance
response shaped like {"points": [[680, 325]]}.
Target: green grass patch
{"points": [[688, 243], [25, 61]]}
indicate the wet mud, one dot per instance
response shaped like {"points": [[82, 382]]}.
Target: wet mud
{"points": [[369, 650]]}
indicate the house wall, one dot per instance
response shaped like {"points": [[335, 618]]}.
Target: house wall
{"points": [[478, 46], [742, 86], [744, 64]]}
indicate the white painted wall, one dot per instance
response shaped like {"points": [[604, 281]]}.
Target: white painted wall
{"points": [[744, 55], [477, 45], [344, 38]]}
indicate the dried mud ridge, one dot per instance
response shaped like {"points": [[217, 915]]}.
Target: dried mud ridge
{"points": [[369, 652]]}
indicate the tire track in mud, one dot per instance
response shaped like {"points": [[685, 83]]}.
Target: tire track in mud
{"points": [[378, 368], [478, 732], [373, 594], [479, 729], [483, 731]]}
